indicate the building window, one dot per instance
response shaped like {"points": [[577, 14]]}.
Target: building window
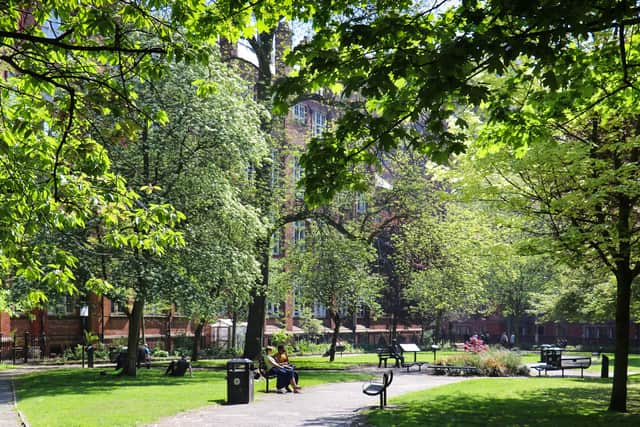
{"points": [[319, 310], [298, 171], [275, 170], [299, 228], [155, 309], [300, 113], [361, 203], [62, 305], [273, 308], [297, 301], [319, 123], [117, 307], [276, 249]]}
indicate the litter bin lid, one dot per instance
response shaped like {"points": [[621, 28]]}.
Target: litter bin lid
{"points": [[239, 361]]}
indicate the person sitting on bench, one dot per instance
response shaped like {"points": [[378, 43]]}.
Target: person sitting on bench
{"points": [[284, 375], [396, 353], [179, 368]]}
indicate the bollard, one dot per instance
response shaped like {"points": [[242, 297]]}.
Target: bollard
{"points": [[604, 370]]}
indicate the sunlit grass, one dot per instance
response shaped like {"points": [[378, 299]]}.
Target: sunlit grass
{"points": [[83, 397], [511, 401], [341, 362]]}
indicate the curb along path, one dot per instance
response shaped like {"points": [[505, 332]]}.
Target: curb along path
{"points": [[8, 414], [336, 404]]}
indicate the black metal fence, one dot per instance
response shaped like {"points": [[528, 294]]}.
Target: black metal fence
{"points": [[30, 348]]}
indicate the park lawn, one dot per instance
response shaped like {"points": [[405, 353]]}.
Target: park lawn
{"points": [[536, 401], [346, 361], [82, 397]]}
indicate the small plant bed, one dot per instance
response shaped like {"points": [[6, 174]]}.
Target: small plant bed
{"points": [[83, 397], [491, 363], [511, 401]]}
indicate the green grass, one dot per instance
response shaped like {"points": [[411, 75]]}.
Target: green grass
{"points": [[371, 359], [596, 363], [81, 397], [341, 362], [511, 401]]}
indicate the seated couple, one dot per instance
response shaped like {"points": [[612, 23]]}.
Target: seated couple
{"points": [[179, 368], [285, 374]]}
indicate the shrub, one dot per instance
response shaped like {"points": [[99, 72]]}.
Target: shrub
{"points": [[280, 337], [475, 345], [158, 352], [217, 352], [492, 363]]}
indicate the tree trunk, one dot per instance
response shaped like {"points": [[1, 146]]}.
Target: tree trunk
{"points": [[135, 319], [516, 328], [334, 338], [437, 329], [142, 331], [255, 321], [262, 47], [618, 401], [197, 336], [234, 324]]}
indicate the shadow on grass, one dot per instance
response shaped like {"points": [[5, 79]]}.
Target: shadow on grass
{"points": [[89, 381], [581, 405]]}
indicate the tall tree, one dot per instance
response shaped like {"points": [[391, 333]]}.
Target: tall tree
{"points": [[335, 271], [405, 62], [576, 180], [440, 266], [59, 63], [197, 161]]}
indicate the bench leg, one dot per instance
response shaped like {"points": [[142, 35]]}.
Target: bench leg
{"points": [[382, 400]]}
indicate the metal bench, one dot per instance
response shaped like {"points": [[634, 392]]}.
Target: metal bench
{"points": [[386, 353], [553, 360], [379, 388], [264, 373]]}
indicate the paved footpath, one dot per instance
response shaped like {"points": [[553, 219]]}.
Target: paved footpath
{"points": [[8, 413], [333, 405]]}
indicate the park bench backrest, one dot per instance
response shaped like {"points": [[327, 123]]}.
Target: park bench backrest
{"points": [[387, 378]]}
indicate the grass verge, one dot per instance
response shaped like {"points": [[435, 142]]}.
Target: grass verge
{"points": [[511, 401], [82, 397]]}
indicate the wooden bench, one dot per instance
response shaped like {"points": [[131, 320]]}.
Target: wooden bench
{"points": [[453, 370], [566, 362], [379, 388], [384, 354]]}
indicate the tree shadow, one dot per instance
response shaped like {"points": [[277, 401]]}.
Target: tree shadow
{"points": [[580, 406], [88, 381]]}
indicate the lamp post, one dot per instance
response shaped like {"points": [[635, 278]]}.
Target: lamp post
{"points": [[84, 313]]}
